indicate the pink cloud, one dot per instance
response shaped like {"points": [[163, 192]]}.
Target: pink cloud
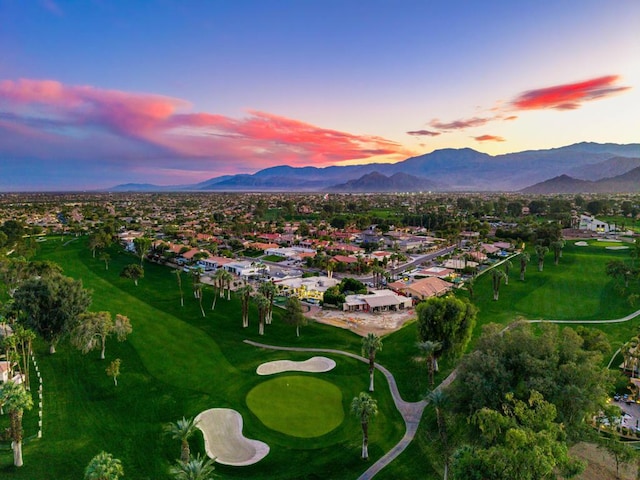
{"points": [[568, 96], [423, 133], [85, 121], [488, 138]]}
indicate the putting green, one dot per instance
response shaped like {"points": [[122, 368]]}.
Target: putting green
{"points": [[299, 406]]}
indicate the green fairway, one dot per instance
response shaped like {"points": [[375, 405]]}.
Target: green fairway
{"points": [[178, 363], [300, 406]]}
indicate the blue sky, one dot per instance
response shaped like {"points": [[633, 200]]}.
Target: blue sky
{"points": [[96, 93]]}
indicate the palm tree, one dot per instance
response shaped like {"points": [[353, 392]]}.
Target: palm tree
{"points": [[268, 289], [15, 398], [470, 284], [198, 468], [263, 308], [364, 407], [557, 247], [197, 289], [182, 430], [103, 467], [439, 399], [227, 278], [177, 272], [541, 251], [497, 276], [217, 285], [507, 268], [371, 344], [430, 348], [524, 259], [245, 294]]}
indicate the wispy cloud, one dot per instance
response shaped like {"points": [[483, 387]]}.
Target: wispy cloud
{"points": [[460, 124], [489, 138], [159, 132], [424, 133], [568, 96]]}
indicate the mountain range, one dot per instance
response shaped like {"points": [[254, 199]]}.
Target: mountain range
{"points": [[606, 167]]}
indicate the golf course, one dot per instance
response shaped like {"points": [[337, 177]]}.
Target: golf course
{"points": [[177, 363]]}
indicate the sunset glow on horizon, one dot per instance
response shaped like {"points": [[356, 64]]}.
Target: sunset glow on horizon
{"points": [[97, 94]]}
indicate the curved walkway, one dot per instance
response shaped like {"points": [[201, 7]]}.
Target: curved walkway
{"points": [[411, 411], [631, 316]]}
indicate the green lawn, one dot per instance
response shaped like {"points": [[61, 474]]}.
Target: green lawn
{"points": [[177, 363], [306, 406]]}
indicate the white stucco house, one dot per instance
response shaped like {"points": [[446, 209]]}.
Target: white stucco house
{"points": [[592, 224]]}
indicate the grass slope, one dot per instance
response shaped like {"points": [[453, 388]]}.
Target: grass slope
{"points": [[178, 363]]}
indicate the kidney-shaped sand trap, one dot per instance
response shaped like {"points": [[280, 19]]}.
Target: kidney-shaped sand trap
{"points": [[314, 364], [223, 439]]}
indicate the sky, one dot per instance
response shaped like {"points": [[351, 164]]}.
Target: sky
{"points": [[96, 93]]}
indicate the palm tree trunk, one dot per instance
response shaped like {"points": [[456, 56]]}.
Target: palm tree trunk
{"points": [[371, 378], [185, 452], [365, 441], [17, 454]]}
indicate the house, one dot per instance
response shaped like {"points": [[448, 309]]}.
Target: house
{"points": [[246, 269], [439, 272], [213, 262], [592, 224], [425, 288], [307, 288], [376, 302], [7, 372]]}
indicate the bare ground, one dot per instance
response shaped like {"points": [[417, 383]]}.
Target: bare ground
{"points": [[362, 323], [600, 465]]}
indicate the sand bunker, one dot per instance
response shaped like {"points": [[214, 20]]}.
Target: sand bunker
{"points": [[581, 244], [622, 247], [314, 364], [223, 439]]}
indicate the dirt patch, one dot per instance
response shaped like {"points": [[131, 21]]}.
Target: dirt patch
{"points": [[362, 323], [600, 465]]}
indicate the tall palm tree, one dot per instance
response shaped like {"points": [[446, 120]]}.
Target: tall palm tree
{"points": [[497, 276], [198, 468], [541, 251], [177, 272], [439, 400], [557, 247], [218, 283], [103, 467], [524, 259], [15, 399], [429, 348], [262, 303], [507, 268], [182, 430], [371, 344], [364, 407], [227, 278], [245, 294], [268, 289]]}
